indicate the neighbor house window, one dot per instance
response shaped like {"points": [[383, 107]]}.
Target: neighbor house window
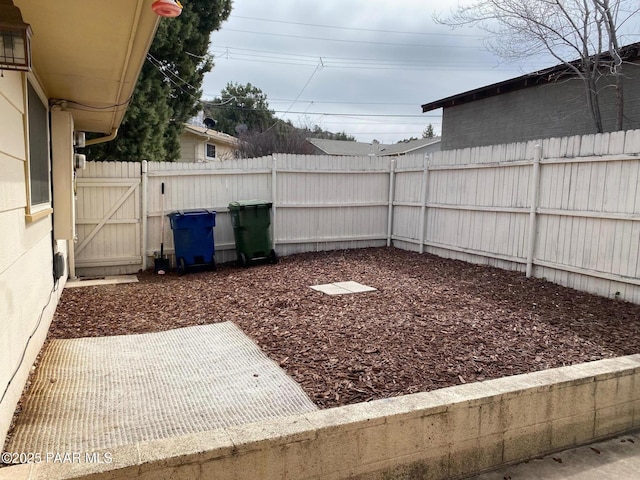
{"points": [[39, 174], [211, 151]]}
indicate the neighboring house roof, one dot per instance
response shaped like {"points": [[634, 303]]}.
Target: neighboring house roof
{"points": [[629, 53], [89, 54], [212, 135], [404, 148], [342, 147], [347, 147]]}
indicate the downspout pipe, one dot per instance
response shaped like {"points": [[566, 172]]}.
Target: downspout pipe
{"points": [[106, 138]]}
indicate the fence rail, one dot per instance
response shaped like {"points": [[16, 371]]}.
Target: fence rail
{"points": [[566, 209]]}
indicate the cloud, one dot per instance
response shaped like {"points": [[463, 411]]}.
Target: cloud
{"points": [[348, 78]]}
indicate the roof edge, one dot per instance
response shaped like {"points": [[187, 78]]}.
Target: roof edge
{"points": [[549, 75], [211, 134]]}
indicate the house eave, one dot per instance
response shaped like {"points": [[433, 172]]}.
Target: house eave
{"points": [[629, 52], [499, 88], [212, 135], [88, 55]]}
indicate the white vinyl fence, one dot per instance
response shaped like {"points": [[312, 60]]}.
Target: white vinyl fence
{"points": [[319, 203], [108, 213], [566, 209]]}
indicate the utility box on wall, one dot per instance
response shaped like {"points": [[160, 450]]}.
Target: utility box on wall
{"points": [[62, 165]]}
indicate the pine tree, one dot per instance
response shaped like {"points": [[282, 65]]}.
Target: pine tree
{"points": [[428, 132], [169, 86], [240, 105]]}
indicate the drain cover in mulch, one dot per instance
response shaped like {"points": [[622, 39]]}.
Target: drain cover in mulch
{"points": [[342, 288]]}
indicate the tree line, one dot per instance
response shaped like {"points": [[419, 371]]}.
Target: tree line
{"points": [[243, 111], [583, 35], [169, 87]]}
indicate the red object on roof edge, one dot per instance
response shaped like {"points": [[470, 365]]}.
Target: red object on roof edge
{"points": [[167, 8]]}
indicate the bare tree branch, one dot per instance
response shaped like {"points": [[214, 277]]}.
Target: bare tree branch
{"points": [[582, 35]]}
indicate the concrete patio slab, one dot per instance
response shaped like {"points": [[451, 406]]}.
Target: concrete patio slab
{"points": [[98, 393], [92, 282], [617, 458], [342, 288]]}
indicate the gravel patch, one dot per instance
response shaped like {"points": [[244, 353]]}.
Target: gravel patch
{"points": [[432, 322]]}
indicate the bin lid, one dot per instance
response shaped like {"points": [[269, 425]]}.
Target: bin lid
{"points": [[192, 211], [241, 204]]}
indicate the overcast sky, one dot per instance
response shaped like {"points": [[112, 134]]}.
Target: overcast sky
{"points": [[342, 65]]}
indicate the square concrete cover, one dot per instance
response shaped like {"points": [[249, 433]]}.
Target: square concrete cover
{"points": [[96, 393], [342, 288]]}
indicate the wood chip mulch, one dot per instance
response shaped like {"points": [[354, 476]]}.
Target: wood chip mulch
{"points": [[432, 323]]}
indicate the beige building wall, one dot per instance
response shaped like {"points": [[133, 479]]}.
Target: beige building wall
{"points": [[28, 296], [224, 152], [193, 149], [189, 149]]}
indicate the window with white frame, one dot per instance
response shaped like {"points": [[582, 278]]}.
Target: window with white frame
{"points": [[39, 170], [211, 150]]}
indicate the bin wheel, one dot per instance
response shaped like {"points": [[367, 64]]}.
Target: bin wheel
{"points": [[242, 260], [182, 267], [213, 263], [273, 256]]}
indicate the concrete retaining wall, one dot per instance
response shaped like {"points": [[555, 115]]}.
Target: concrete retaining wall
{"points": [[448, 433]]}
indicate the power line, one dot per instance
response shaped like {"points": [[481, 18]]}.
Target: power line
{"points": [[336, 66], [285, 100], [373, 124], [369, 67], [305, 86], [345, 103], [386, 132], [227, 50], [159, 65], [163, 72], [298, 96], [353, 115], [230, 53], [474, 47], [359, 29]]}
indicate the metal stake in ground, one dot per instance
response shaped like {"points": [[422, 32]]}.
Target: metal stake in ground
{"points": [[161, 270]]}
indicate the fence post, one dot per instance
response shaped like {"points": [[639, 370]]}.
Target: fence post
{"points": [[274, 198], [425, 193], [535, 185], [392, 172], [144, 204]]}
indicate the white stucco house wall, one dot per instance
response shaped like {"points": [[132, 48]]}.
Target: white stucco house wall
{"points": [[86, 58], [201, 144]]}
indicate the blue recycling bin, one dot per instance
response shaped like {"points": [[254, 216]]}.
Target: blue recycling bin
{"points": [[193, 239]]}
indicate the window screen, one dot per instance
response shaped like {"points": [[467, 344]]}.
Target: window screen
{"points": [[38, 149], [211, 151]]}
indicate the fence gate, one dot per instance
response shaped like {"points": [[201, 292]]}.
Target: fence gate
{"points": [[108, 219]]}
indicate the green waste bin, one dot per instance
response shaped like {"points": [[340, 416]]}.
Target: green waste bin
{"points": [[251, 220]]}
